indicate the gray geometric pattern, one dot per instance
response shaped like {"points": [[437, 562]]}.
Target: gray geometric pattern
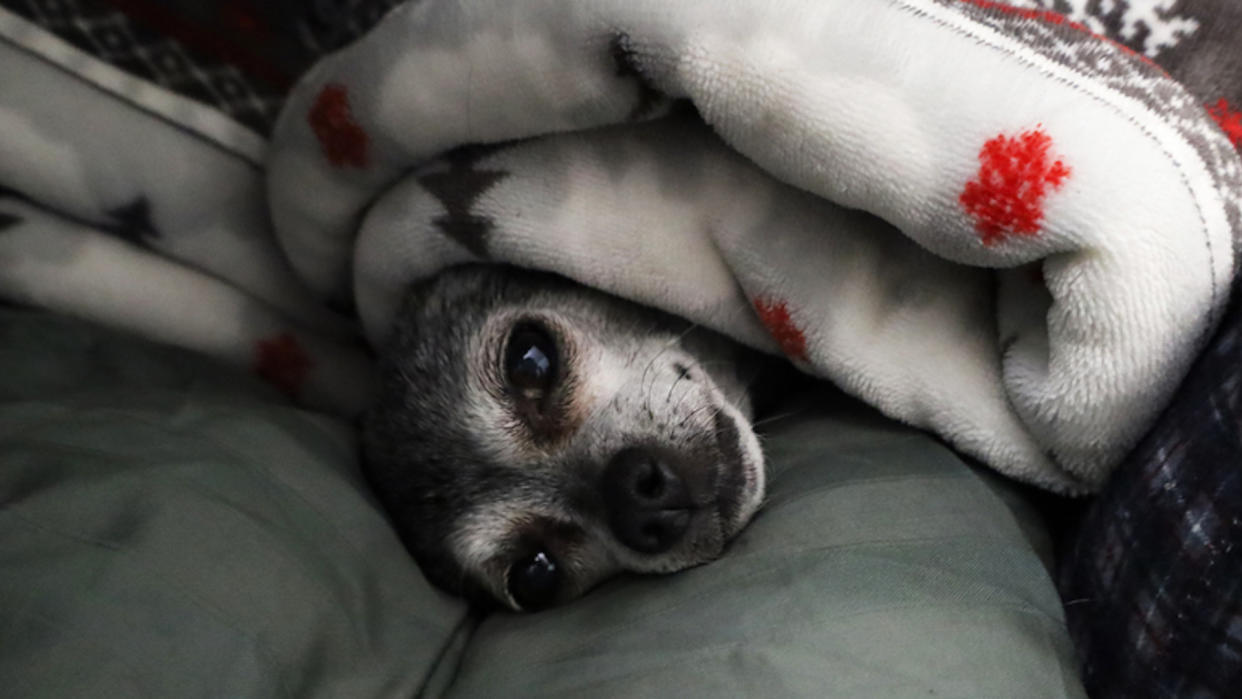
{"points": [[458, 188], [1143, 26], [113, 38], [300, 32]]}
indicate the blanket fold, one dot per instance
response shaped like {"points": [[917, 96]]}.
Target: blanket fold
{"points": [[145, 211], [986, 221]]}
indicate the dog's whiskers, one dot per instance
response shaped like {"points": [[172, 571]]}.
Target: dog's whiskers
{"points": [[670, 343], [773, 418], [651, 327], [694, 413], [643, 387], [668, 398]]}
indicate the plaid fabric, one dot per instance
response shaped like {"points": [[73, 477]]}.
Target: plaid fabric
{"points": [[238, 56], [1152, 583], [1151, 575]]}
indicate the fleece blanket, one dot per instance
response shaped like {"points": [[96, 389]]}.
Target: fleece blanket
{"points": [[990, 221], [986, 221]]}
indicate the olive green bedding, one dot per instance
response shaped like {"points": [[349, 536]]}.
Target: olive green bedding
{"points": [[171, 528]]}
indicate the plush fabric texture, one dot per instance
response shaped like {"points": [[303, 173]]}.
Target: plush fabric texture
{"points": [[169, 529], [143, 209], [1054, 217], [995, 225]]}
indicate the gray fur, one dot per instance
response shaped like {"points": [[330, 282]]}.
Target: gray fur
{"points": [[470, 483]]}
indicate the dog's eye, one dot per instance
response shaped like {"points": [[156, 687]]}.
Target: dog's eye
{"points": [[530, 359], [534, 582]]}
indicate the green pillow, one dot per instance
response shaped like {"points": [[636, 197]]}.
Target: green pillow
{"points": [[881, 566], [168, 528]]}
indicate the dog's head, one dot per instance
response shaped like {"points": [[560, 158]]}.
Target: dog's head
{"points": [[534, 437]]}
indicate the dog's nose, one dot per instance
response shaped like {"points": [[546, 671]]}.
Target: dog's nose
{"points": [[647, 501]]}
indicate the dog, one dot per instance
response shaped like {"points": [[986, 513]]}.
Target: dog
{"points": [[534, 437]]}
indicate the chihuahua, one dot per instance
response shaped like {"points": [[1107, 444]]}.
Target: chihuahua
{"points": [[534, 437]]}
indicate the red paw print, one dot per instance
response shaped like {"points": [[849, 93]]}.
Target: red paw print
{"points": [[1015, 175], [775, 317], [342, 140]]}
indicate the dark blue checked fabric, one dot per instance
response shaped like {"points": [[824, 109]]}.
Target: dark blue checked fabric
{"points": [[1151, 576], [1152, 579]]}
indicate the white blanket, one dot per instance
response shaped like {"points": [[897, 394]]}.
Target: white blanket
{"points": [[987, 222]]}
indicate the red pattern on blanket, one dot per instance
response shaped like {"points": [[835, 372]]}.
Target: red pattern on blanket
{"points": [[281, 361], [1015, 175], [343, 141]]}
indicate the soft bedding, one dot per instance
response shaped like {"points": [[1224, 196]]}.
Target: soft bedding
{"points": [[170, 527], [988, 221], [132, 192]]}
